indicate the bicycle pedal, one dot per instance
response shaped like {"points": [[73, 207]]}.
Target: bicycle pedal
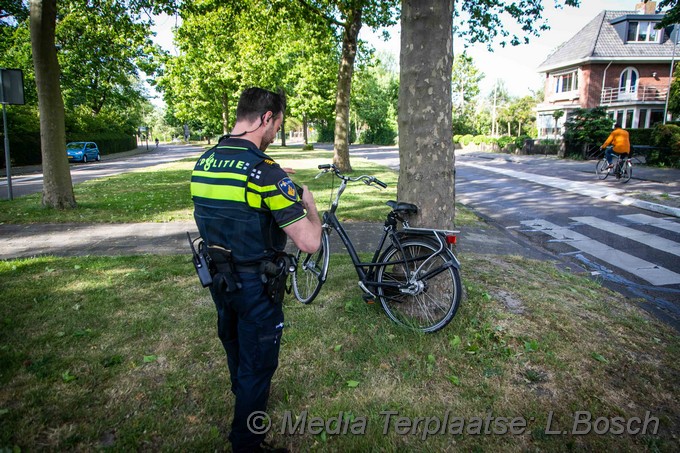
{"points": [[370, 300]]}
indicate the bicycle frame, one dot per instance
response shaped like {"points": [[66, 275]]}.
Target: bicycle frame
{"points": [[365, 270]]}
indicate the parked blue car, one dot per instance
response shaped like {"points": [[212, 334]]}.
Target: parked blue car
{"points": [[82, 151]]}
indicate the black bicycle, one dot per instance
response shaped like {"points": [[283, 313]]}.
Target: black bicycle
{"points": [[414, 272]]}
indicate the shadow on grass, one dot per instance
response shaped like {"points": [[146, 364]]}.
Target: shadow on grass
{"points": [[122, 353]]}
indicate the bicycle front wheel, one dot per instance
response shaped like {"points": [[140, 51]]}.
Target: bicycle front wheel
{"points": [[311, 271], [416, 288], [626, 171], [601, 169]]}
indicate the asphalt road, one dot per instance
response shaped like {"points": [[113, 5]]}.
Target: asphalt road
{"points": [[28, 183]]}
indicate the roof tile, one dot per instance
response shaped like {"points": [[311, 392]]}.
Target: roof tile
{"points": [[599, 39]]}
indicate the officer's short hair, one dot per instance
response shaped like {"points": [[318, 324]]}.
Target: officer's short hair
{"points": [[254, 102]]}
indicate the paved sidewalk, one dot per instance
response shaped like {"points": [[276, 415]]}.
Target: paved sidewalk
{"points": [[23, 241]]}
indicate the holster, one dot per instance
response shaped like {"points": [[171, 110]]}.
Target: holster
{"points": [[225, 278], [275, 274]]}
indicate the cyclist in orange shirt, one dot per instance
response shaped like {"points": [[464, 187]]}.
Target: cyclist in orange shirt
{"points": [[618, 142]]}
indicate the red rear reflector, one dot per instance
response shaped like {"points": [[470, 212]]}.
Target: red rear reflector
{"points": [[451, 239]]}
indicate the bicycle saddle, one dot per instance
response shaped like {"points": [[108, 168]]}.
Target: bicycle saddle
{"points": [[404, 208]]}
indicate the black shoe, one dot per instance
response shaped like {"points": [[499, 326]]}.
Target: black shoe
{"points": [[266, 447]]}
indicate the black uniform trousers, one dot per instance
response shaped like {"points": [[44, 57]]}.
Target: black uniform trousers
{"points": [[250, 327]]}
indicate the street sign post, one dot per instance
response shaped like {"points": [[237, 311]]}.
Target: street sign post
{"points": [[11, 92]]}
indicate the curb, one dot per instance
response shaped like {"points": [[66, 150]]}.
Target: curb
{"points": [[646, 205]]}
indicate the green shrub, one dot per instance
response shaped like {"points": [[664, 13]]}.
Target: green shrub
{"points": [[325, 132], [505, 140], [586, 126], [641, 136], [457, 138], [667, 138], [381, 136], [307, 147], [25, 148], [519, 141], [466, 139], [108, 143]]}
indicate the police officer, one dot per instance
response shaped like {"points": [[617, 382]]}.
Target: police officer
{"points": [[245, 202]]}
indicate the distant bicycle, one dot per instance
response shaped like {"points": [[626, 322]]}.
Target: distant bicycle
{"points": [[414, 273], [623, 168]]}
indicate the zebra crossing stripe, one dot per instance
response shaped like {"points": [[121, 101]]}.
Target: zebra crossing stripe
{"points": [[648, 239], [578, 187], [650, 272], [589, 189], [656, 222]]}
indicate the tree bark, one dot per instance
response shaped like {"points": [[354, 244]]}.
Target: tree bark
{"points": [[283, 131], [349, 52], [304, 128], [57, 185], [426, 155], [225, 114]]}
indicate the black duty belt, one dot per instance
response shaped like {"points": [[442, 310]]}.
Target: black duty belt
{"points": [[248, 268]]}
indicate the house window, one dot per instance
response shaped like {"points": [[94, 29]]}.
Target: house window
{"points": [[656, 117], [642, 32], [628, 84], [628, 122], [642, 119], [566, 82]]}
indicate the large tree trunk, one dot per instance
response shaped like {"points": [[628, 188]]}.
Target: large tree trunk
{"points": [[349, 52], [426, 169], [57, 185], [225, 113]]}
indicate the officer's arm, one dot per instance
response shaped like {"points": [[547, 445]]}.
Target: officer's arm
{"points": [[306, 232]]}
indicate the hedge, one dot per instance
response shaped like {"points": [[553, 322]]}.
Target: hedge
{"points": [[25, 148]]}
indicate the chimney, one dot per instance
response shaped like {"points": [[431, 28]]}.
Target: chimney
{"points": [[646, 7]]}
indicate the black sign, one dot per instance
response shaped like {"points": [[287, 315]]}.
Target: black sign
{"points": [[11, 86]]}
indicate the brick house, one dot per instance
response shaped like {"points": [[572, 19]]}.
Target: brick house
{"points": [[618, 61]]}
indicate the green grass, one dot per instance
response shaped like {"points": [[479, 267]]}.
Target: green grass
{"points": [[122, 353], [162, 194]]}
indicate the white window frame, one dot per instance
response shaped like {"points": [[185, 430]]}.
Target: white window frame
{"points": [[560, 78], [628, 90], [649, 29]]}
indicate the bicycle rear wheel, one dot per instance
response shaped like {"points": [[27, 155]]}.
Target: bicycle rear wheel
{"points": [[626, 171], [601, 169], [311, 271], [432, 300]]}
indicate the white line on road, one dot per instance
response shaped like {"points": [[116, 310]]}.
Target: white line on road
{"points": [[656, 222], [589, 189], [648, 239], [656, 275], [582, 188]]}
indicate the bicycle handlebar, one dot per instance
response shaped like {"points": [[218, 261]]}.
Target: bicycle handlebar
{"points": [[368, 180]]}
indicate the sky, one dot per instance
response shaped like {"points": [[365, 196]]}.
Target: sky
{"points": [[515, 66]]}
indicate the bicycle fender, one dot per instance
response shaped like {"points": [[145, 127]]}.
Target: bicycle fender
{"points": [[424, 236]]}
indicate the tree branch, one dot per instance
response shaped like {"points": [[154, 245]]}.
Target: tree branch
{"points": [[312, 9]]}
